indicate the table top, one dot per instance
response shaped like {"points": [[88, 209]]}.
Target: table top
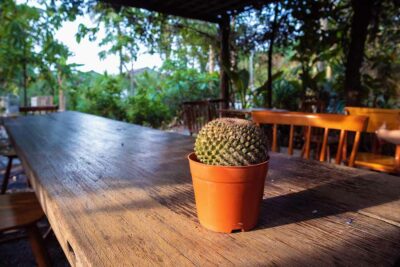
{"points": [[117, 193]]}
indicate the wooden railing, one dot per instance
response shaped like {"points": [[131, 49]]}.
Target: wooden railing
{"points": [[38, 110], [197, 113]]}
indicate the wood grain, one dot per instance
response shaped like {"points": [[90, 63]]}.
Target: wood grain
{"points": [[19, 210], [121, 194]]}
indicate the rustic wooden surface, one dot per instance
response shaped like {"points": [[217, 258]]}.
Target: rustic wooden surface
{"points": [[19, 210], [120, 194]]}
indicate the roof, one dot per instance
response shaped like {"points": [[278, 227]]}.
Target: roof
{"points": [[211, 10]]}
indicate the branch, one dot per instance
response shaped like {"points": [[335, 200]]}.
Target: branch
{"points": [[205, 34]]}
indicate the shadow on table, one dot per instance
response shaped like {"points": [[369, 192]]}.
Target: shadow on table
{"points": [[332, 198]]}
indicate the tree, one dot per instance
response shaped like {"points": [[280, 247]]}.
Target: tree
{"points": [[362, 16], [18, 38], [380, 76], [125, 28], [27, 53], [265, 30]]}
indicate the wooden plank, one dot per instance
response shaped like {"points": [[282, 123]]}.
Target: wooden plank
{"points": [[121, 193]]}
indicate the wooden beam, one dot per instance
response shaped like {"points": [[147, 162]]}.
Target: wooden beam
{"points": [[222, 7], [156, 6], [225, 28]]}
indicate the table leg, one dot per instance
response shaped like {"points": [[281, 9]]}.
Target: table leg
{"points": [[37, 245], [6, 176]]}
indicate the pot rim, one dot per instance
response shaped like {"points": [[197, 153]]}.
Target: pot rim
{"points": [[193, 158]]}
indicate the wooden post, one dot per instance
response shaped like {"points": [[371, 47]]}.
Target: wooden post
{"points": [[224, 27]]}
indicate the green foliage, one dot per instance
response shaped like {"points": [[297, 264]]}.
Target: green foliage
{"points": [[300, 46], [260, 92], [18, 38], [104, 98], [146, 110], [31, 60], [240, 81], [157, 99], [179, 83]]}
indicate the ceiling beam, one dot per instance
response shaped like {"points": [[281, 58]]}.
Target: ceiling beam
{"points": [[151, 6]]}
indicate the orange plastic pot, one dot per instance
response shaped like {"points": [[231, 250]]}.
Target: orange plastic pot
{"points": [[228, 198]]}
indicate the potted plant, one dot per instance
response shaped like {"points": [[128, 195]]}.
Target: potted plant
{"points": [[228, 171]]}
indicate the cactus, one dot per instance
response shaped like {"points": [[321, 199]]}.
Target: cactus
{"points": [[231, 142]]}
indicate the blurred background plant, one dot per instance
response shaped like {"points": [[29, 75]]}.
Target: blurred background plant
{"points": [[292, 55]]}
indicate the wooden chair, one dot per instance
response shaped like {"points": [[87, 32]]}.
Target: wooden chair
{"points": [[8, 152], [197, 113], [375, 160], [327, 122], [6, 149], [22, 211]]}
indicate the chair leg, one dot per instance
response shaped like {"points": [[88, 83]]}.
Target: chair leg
{"points": [[328, 153], [47, 233], [6, 176], [39, 251]]}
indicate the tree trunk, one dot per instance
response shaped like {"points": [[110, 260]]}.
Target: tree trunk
{"points": [[211, 63], [25, 74], [120, 62], [25, 77], [251, 70], [121, 59], [61, 98], [359, 30], [268, 101], [304, 83], [224, 27], [131, 82]]}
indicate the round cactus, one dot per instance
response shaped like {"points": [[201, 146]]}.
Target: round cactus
{"points": [[231, 142]]}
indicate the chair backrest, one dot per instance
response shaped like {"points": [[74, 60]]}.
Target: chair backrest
{"points": [[343, 123], [38, 110], [197, 113], [377, 116]]}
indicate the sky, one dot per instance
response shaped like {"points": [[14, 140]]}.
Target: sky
{"points": [[86, 52]]}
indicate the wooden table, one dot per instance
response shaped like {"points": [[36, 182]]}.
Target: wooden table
{"points": [[121, 194]]}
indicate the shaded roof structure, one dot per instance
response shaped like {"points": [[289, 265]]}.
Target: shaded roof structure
{"points": [[215, 11], [205, 10]]}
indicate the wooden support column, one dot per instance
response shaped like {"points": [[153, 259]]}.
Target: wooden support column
{"points": [[224, 27]]}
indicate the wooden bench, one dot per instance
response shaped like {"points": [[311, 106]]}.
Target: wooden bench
{"points": [[6, 150], [22, 211]]}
